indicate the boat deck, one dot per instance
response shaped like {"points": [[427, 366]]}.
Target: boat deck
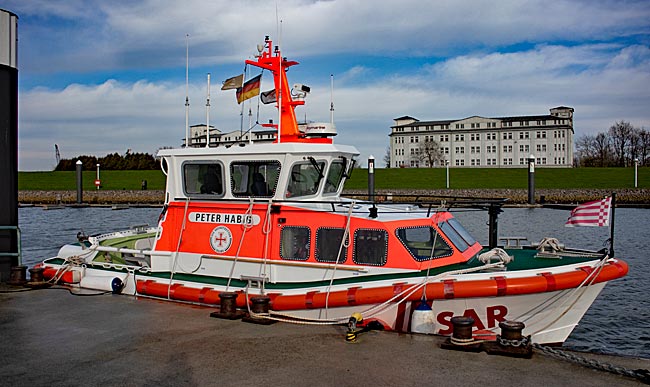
{"points": [[53, 338]]}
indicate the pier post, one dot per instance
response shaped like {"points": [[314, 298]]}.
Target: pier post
{"points": [[79, 166], [9, 144], [531, 179], [371, 178]]}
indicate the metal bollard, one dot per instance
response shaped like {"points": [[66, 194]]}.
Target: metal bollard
{"points": [[228, 309], [510, 332], [260, 305], [36, 274], [462, 328], [511, 342], [18, 275], [461, 337], [36, 278]]}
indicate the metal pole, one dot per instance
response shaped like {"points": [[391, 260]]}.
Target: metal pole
{"points": [[493, 222], [97, 176], [636, 166], [531, 179], [371, 178], [79, 182], [447, 165], [9, 240], [611, 226]]}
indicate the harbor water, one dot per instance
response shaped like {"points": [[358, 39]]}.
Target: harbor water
{"points": [[617, 323]]}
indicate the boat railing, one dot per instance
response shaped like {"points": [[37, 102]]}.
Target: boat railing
{"points": [[392, 202]]}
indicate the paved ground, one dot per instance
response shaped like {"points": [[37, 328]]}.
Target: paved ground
{"points": [[49, 337]]}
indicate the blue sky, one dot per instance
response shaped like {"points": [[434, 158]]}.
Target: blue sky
{"points": [[99, 77]]}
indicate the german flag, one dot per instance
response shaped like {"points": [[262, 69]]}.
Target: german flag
{"points": [[250, 89]]}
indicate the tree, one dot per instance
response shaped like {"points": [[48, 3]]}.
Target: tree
{"points": [[586, 153], [387, 157], [620, 134], [644, 145], [429, 153]]}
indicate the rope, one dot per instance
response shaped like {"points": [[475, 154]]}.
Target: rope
{"points": [[640, 374], [266, 230], [178, 247], [498, 253], [344, 243], [247, 225], [552, 243], [372, 311]]}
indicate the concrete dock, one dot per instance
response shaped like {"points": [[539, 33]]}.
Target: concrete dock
{"points": [[50, 337]]}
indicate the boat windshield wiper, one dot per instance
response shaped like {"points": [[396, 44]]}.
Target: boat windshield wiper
{"points": [[318, 168]]}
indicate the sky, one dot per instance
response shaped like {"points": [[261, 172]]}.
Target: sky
{"points": [[99, 77]]}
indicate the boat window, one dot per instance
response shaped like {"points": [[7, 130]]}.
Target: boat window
{"points": [[420, 240], [254, 178], [305, 179], [203, 178], [294, 243], [453, 235], [467, 237], [370, 247], [328, 244], [334, 176]]}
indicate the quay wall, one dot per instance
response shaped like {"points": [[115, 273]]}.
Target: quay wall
{"points": [[515, 196]]}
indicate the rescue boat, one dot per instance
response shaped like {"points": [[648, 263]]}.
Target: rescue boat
{"points": [[269, 219]]}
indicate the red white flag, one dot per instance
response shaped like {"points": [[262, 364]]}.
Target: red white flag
{"points": [[594, 214]]}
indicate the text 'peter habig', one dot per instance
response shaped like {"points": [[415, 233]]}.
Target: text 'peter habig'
{"points": [[216, 217]]}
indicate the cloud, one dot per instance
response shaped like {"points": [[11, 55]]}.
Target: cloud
{"points": [[101, 35], [99, 73]]}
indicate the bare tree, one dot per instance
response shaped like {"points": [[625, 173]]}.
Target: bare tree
{"points": [[603, 148], [644, 145], [620, 134], [387, 157], [429, 153], [586, 153]]}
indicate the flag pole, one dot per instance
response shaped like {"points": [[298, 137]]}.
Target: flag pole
{"points": [[611, 226]]}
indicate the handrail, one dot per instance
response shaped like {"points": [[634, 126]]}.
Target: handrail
{"points": [[19, 245]]}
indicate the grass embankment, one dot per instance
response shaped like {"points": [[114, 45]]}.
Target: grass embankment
{"points": [[506, 178], [393, 178], [111, 180]]}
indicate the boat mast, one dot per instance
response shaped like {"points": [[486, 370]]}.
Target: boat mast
{"points": [[207, 116], [187, 93], [272, 60], [332, 99]]}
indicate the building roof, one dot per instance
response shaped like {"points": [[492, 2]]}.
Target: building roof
{"points": [[405, 118]]}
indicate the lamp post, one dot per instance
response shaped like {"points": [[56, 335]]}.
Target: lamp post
{"points": [[636, 166], [447, 165]]}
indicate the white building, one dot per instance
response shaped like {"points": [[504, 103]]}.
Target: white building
{"points": [[486, 142], [198, 136]]}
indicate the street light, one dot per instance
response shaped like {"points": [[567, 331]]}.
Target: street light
{"points": [[636, 166], [447, 165]]}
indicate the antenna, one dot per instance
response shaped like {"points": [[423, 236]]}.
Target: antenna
{"points": [[187, 93], [279, 91], [332, 99], [207, 116], [250, 125]]}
